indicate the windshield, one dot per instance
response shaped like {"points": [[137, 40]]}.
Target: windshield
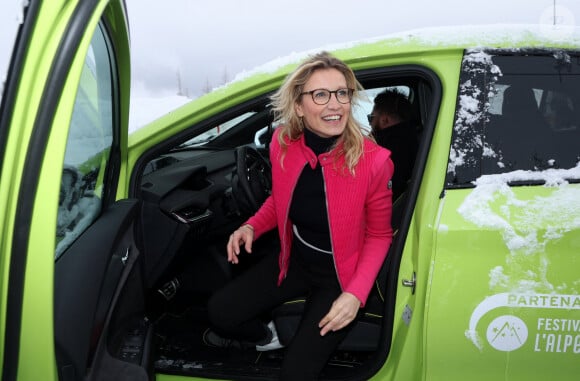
{"points": [[213, 132]]}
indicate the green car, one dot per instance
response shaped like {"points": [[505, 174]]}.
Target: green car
{"points": [[110, 243]]}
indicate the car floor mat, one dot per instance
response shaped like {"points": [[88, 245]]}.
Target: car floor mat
{"points": [[181, 350]]}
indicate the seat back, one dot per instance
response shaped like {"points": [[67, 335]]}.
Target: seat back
{"points": [[519, 103], [515, 133]]}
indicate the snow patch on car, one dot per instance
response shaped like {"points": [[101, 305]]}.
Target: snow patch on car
{"points": [[526, 226], [473, 106], [468, 36]]}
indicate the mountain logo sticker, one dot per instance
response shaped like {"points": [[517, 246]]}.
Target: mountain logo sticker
{"points": [[507, 333]]}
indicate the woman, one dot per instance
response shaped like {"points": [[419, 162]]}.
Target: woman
{"points": [[331, 203]]}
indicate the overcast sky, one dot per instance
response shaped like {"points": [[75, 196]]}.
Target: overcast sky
{"points": [[204, 43]]}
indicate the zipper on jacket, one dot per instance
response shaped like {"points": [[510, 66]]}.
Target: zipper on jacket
{"points": [[330, 228]]}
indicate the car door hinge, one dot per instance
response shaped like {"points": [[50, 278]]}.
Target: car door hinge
{"points": [[411, 282]]}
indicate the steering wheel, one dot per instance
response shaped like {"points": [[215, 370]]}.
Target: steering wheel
{"points": [[252, 180]]}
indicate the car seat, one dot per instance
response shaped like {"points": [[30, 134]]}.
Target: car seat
{"points": [[517, 135]]}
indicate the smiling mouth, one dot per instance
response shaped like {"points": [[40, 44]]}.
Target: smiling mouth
{"points": [[331, 118]]}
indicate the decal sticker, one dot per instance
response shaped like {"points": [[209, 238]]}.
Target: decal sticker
{"points": [[508, 332]]}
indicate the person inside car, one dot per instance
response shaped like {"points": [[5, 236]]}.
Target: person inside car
{"points": [[331, 203], [395, 128]]}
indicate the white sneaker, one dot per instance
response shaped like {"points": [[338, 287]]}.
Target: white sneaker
{"points": [[274, 342]]}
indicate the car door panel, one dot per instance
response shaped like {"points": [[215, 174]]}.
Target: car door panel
{"points": [[502, 290], [95, 274]]}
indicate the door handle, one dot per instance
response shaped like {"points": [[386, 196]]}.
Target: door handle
{"points": [[125, 257], [411, 282]]}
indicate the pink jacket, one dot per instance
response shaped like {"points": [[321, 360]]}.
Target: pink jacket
{"points": [[359, 210]]}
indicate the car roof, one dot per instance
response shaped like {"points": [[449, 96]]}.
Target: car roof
{"points": [[500, 36]]}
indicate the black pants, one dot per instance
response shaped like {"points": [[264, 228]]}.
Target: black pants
{"points": [[235, 312]]}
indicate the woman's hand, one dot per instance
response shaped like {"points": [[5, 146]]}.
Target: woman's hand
{"points": [[342, 313], [244, 235]]}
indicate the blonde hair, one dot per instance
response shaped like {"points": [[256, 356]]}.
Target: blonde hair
{"points": [[289, 94]]}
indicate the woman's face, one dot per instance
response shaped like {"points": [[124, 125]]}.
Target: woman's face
{"points": [[329, 119]]}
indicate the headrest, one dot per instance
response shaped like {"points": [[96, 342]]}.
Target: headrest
{"points": [[519, 101]]}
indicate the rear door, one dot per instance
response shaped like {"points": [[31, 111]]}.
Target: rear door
{"points": [[504, 291], [71, 290]]}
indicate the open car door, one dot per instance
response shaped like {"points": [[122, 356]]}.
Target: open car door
{"points": [[70, 259]]}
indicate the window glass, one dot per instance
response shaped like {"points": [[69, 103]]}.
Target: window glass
{"points": [[216, 130], [365, 105], [88, 147], [539, 114], [516, 111], [11, 15]]}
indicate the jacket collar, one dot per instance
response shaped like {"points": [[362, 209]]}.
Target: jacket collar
{"points": [[324, 158]]}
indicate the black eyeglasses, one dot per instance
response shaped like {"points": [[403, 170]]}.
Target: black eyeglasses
{"points": [[322, 96], [370, 117]]}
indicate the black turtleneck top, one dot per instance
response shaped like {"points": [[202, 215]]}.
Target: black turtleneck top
{"points": [[308, 210]]}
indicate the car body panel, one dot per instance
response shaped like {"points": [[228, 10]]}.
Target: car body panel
{"points": [[59, 37], [42, 50], [506, 326], [38, 280], [408, 332]]}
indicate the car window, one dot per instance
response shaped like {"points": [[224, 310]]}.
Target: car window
{"points": [[10, 18], [88, 147], [360, 112], [212, 133], [365, 105], [515, 111]]}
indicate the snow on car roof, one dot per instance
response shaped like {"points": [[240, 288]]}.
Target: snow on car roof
{"points": [[498, 35]]}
